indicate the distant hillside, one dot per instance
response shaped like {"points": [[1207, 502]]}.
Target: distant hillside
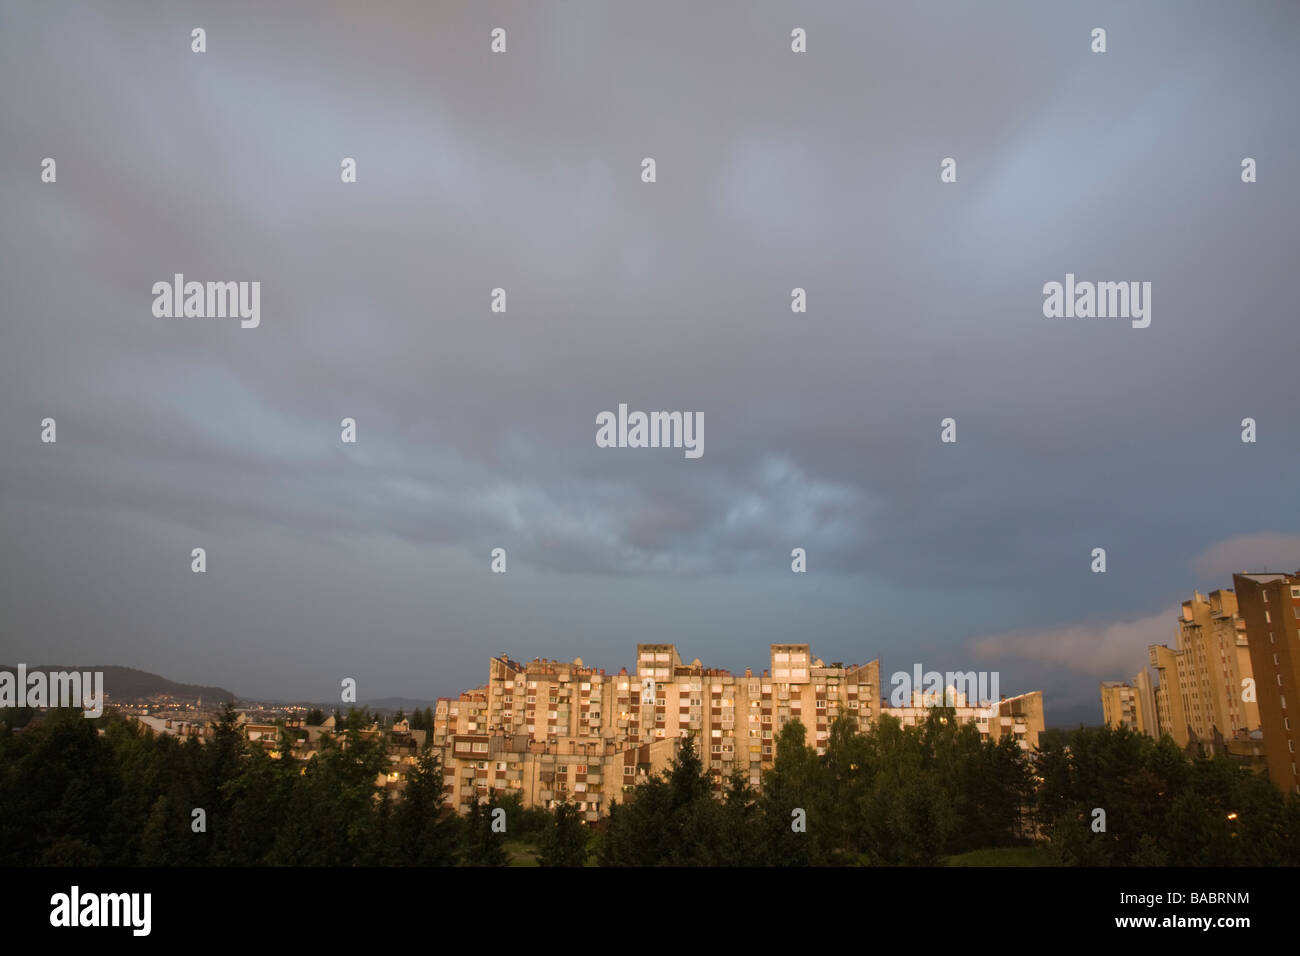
{"points": [[127, 683]]}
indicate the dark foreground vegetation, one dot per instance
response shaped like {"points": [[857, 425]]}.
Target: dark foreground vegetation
{"points": [[893, 796]]}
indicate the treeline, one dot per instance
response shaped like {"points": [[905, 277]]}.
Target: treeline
{"points": [[419, 719], [891, 796]]}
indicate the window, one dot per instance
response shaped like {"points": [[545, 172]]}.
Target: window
{"points": [[1295, 592], [1268, 618]]}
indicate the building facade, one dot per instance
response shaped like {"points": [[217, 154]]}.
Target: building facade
{"points": [[556, 730], [1198, 698], [1122, 705], [1270, 609]]}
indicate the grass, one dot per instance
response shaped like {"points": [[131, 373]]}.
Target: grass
{"points": [[521, 853], [1001, 856]]}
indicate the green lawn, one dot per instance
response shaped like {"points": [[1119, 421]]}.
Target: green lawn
{"points": [[1002, 856], [521, 854]]}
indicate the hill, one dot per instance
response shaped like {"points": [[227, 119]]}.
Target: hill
{"points": [[127, 683]]}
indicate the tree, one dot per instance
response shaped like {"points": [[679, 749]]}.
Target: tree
{"points": [[789, 803], [667, 820], [482, 845], [564, 843], [423, 829]]}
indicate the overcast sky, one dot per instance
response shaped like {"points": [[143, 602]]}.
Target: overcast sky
{"points": [[476, 430]]}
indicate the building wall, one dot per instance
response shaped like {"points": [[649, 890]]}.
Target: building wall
{"points": [[1170, 700], [1120, 705], [1270, 608], [1148, 722], [1200, 679], [554, 730]]}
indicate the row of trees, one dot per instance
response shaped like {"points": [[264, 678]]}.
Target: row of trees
{"points": [[419, 719], [891, 796]]}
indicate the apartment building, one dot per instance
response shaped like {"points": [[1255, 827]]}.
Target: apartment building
{"points": [[559, 730], [1131, 704], [1020, 717], [1148, 713], [1270, 608], [1121, 706], [1198, 699]]}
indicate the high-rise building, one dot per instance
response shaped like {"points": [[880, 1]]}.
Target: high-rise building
{"points": [[1122, 704], [1270, 608], [557, 730], [1199, 694]]}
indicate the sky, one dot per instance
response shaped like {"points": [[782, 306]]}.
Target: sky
{"points": [[476, 430]]}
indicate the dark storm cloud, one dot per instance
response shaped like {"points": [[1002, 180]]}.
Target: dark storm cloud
{"points": [[477, 430]]}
